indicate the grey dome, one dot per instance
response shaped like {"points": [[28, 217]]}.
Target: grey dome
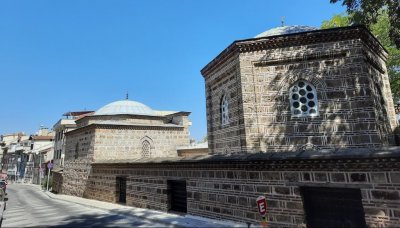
{"points": [[286, 30], [125, 107]]}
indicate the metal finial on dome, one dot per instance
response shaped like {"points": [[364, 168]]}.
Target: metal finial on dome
{"points": [[127, 96], [282, 21]]}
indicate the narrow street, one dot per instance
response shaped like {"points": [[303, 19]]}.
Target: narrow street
{"points": [[29, 206]]}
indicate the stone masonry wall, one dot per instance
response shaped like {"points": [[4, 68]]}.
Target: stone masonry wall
{"points": [[93, 143], [228, 190], [126, 143], [225, 81], [349, 75], [57, 182], [348, 112], [77, 164]]}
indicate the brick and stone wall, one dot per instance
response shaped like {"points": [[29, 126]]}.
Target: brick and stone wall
{"points": [[225, 82], [126, 143], [228, 190], [347, 68], [114, 142], [78, 158]]}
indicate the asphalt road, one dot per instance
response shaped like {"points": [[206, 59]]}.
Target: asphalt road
{"points": [[28, 206]]}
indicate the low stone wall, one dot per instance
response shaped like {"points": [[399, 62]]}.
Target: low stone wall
{"points": [[228, 189], [57, 182]]}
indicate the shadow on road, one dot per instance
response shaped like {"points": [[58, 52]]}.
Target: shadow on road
{"points": [[116, 218]]}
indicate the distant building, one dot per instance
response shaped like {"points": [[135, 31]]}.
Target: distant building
{"points": [[192, 150], [39, 155], [13, 158], [63, 126]]}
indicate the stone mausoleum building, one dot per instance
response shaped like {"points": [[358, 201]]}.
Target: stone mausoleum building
{"points": [[302, 116], [122, 130]]}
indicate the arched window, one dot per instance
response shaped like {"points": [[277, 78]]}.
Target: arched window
{"points": [[303, 99], [224, 110], [146, 149]]}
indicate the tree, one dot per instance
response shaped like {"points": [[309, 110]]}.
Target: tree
{"points": [[381, 29], [205, 138], [367, 12], [339, 20]]}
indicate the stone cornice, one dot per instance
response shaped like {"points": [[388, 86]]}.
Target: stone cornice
{"points": [[121, 115], [379, 163], [304, 38], [122, 126]]}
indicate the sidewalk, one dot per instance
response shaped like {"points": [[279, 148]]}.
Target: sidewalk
{"points": [[147, 214]]}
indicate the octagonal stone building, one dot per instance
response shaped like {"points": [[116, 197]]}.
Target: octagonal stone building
{"points": [[297, 87]]}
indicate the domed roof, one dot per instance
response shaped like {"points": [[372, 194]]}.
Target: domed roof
{"points": [[283, 30], [125, 107]]}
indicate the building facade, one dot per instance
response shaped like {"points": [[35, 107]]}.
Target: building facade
{"points": [[121, 130], [347, 102], [63, 126], [296, 114]]}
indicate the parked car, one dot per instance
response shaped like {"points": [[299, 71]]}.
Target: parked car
{"points": [[3, 185], [3, 204]]}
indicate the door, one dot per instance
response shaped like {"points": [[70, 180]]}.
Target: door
{"points": [[177, 195], [333, 207], [121, 189]]}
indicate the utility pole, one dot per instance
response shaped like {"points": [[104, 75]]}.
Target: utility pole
{"points": [[40, 169], [48, 179]]}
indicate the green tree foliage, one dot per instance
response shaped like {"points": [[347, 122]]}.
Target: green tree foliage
{"points": [[381, 30], [339, 20], [368, 12]]}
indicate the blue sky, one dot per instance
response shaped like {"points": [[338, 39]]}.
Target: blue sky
{"points": [[59, 56]]}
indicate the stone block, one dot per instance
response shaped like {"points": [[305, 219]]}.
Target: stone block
{"points": [[226, 186], [248, 188], [236, 187], [271, 176], [232, 199], [272, 203], [294, 205], [283, 218], [378, 177], [250, 215], [212, 197], [321, 177], [216, 210], [282, 190], [197, 196], [263, 189], [395, 177], [291, 176], [306, 177], [385, 195], [221, 199], [254, 175], [338, 177], [358, 177]]}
